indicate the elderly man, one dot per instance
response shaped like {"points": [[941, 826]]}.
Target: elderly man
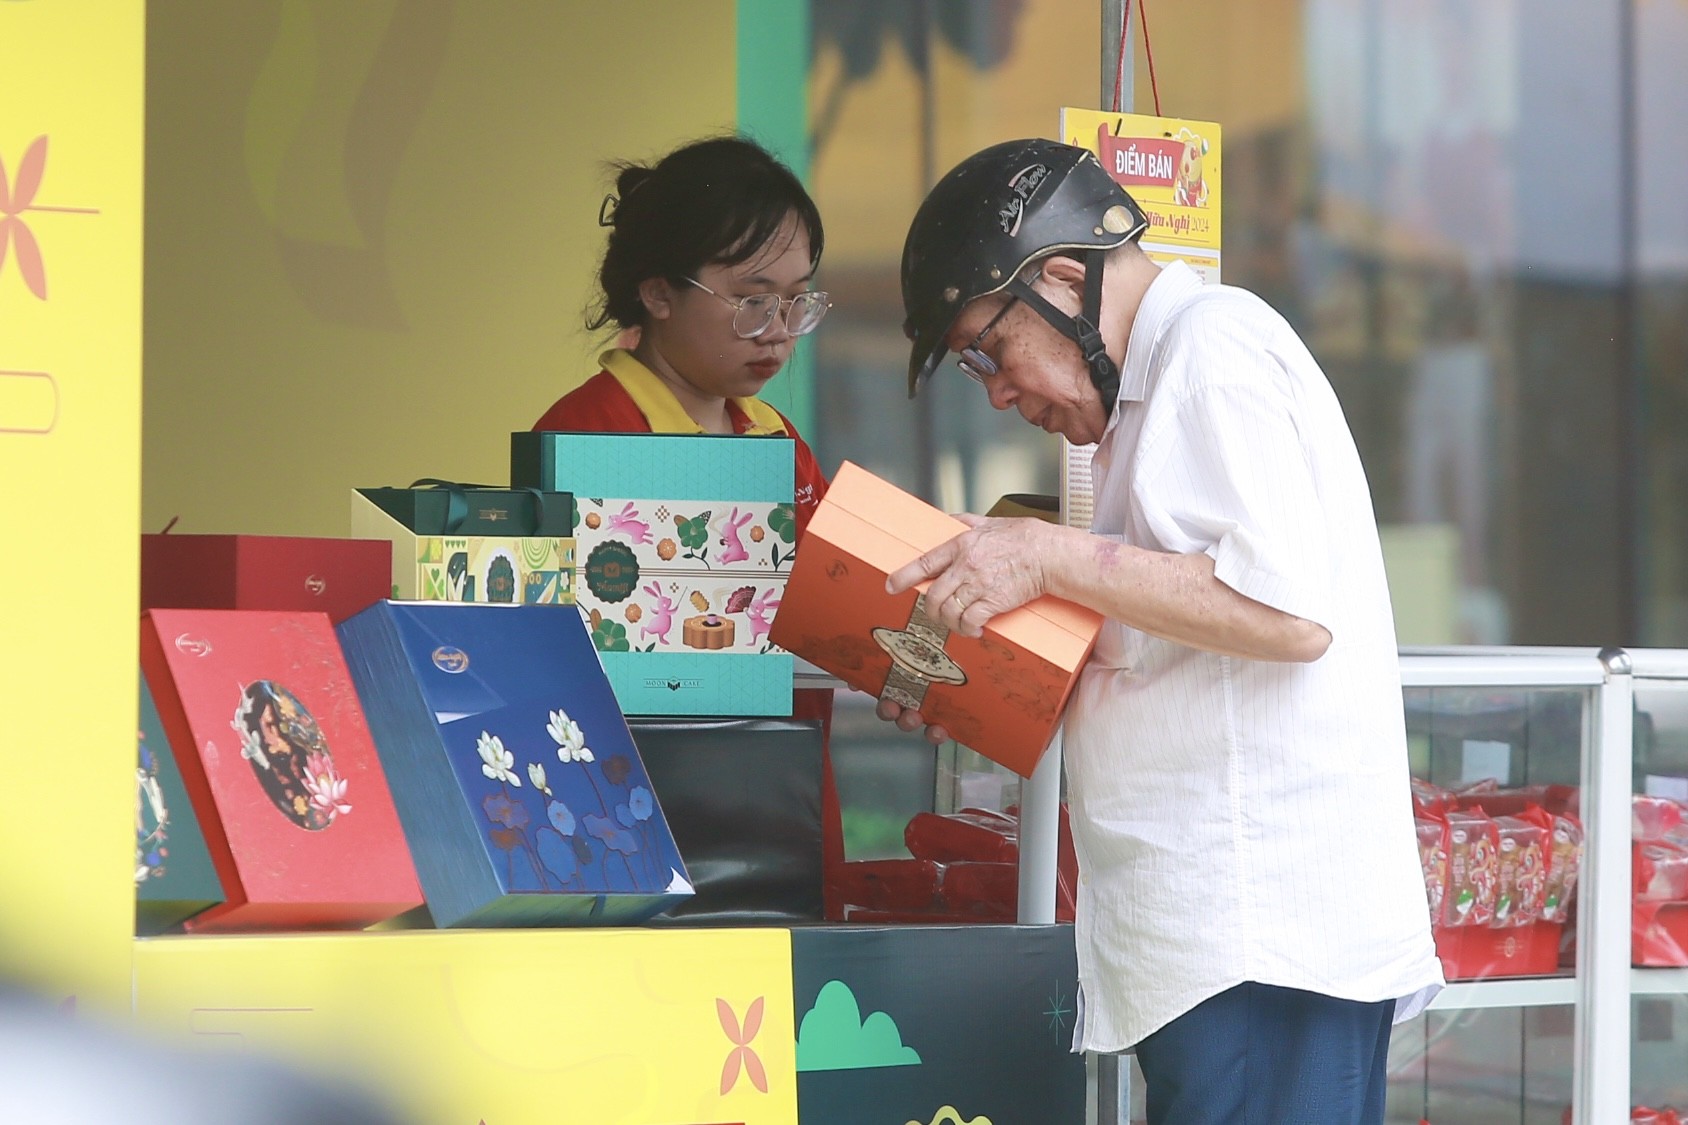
{"points": [[1251, 914]]}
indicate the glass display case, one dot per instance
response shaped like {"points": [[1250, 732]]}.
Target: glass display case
{"points": [[1506, 729]]}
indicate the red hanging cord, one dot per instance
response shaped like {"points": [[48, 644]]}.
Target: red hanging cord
{"points": [[1148, 52], [1119, 60]]}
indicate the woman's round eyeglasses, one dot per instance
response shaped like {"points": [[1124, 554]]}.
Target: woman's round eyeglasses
{"points": [[754, 315], [975, 364]]}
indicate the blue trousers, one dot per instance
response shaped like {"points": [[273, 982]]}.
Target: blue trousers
{"points": [[1257, 1054]]}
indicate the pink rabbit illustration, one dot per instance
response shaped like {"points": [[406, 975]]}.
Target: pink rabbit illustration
{"points": [[628, 522], [761, 613], [732, 547], [662, 615]]}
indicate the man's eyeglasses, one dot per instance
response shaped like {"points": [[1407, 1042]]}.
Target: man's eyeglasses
{"points": [[754, 315], [975, 364]]}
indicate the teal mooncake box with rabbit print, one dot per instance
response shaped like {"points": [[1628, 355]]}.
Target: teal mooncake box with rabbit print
{"points": [[682, 547]]}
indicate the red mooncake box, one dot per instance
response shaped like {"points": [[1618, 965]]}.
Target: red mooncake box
{"points": [[267, 730]]}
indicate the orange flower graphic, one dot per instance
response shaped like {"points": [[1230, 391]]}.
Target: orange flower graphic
{"points": [[742, 1056], [16, 197]]}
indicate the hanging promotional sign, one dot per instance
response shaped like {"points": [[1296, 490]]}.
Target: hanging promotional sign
{"points": [[1171, 167]]}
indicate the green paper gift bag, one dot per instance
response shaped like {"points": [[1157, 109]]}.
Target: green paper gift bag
{"points": [[442, 507], [515, 569]]}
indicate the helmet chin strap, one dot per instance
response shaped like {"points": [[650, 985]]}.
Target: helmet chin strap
{"points": [[1083, 329]]}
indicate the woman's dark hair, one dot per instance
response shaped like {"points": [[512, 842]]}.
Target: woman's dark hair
{"points": [[712, 201]]}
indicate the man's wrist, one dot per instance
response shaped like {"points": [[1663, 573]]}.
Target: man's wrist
{"points": [[1066, 551]]}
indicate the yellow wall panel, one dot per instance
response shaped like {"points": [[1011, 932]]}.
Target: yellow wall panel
{"points": [[613, 1027], [70, 388], [372, 231]]}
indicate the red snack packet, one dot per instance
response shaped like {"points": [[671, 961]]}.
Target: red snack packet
{"points": [[969, 836], [1473, 870], [1637, 1114], [981, 891], [1563, 800], [1507, 802], [1522, 883], [1562, 857], [1433, 858], [1652, 817], [1430, 800], [1661, 871], [887, 884], [1556, 799], [1642, 1115]]}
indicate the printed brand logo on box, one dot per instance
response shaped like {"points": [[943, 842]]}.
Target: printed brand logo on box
{"points": [[193, 646], [449, 658], [656, 682], [316, 585]]}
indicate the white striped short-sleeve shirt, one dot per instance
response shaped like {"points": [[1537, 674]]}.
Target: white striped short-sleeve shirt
{"points": [[1241, 820]]}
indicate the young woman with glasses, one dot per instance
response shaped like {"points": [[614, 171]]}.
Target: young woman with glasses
{"points": [[712, 252], [711, 257]]}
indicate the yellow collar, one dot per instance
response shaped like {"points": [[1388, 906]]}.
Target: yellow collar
{"points": [[664, 412]]}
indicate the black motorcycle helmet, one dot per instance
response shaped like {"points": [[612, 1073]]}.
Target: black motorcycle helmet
{"points": [[991, 214]]}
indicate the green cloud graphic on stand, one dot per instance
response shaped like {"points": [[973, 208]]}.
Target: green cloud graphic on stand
{"points": [[833, 1035]]}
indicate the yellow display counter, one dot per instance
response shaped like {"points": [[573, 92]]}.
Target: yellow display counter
{"points": [[611, 1027]]}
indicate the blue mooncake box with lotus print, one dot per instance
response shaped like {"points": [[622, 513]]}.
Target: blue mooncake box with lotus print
{"points": [[522, 794]]}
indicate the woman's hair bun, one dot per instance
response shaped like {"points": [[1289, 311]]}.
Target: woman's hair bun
{"points": [[630, 179]]}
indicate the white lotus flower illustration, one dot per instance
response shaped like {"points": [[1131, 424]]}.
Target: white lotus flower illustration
{"points": [[326, 787], [536, 774], [496, 761], [571, 743]]}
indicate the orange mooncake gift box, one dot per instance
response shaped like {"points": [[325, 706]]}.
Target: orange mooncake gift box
{"points": [[1001, 693]]}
